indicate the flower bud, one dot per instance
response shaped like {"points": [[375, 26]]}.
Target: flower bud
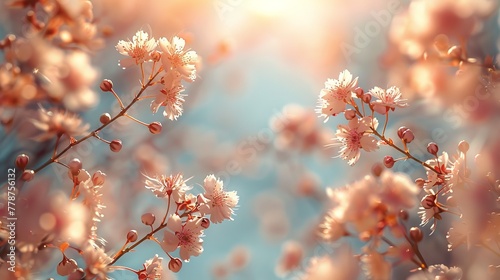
{"points": [[74, 166], [115, 145], [205, 223], [98, 178], [132, 236], [155, 55], [155, 127], [366, 98], [105, 118], [389, 161], [420, 182], [359, 92], [463, 146], [175, 265], [148, 219], [106, 85], [22, 160], [408, 136], [401, 130], [349, 114], [377, 169], [66, 267], [28, 175], [416, 234], [455, 52], [432, 148], [403, 214], [428, 201], [77, 275]]}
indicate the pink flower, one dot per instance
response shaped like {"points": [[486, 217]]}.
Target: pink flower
{"points": [[331, 229], [336, 94], [220, 204], [186, 236], [174, 57], [57, 123], [375, 265], [138, 49], [387, 99], [291, 257], [398, 191], [173, 185], [170, 96], [438, 272], [354, 137], [152, 269], [97, 262]]}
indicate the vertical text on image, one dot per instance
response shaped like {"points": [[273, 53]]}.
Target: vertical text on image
{"points": [[11, 218]]}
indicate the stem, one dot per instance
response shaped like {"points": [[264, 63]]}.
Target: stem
{"points": [[91, 134], [490, 249], [57, 144], [136, 120], [385, 124], [414, 246], [382, 137], [118, 98], [390, 243], [148, 236]]}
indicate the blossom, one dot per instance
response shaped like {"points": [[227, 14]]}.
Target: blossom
{"points": [[291, 258], [172, 186], [152, 269], [138, 49], [170, 96], [174, 57], [354, 204], [458, 234], [97, 262], [330, 229], [427, 214], [438, 272], [220, 203], [344, 266], [375, 266], [354, 137], [397, 192], [457, 173], [58, 123], [186, 236], [387, 99], [336, 94]]}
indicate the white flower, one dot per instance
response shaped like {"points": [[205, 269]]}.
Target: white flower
{"points": [[354, 137], [220, 205], [186, 236], [387, 99], [173, 185], [170, 96], [138, 49], [336, 94], [174, 57]]}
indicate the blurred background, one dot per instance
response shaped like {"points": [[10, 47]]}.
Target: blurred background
{"points": [[249, 118]]}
